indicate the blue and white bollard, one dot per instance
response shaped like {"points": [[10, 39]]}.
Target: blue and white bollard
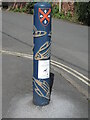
{"points": [[41, 53]]}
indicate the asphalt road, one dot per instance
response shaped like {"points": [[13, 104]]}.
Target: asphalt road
{"points": [[69, 41], [69, 44]]}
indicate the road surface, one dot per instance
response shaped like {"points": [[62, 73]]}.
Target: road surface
{"points": [[69, 46], [69, 41]]}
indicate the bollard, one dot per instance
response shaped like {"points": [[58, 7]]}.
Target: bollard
{"points": [[41, 53]]}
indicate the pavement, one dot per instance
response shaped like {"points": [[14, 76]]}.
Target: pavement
{"points": [[66, 101], [69, 45]]}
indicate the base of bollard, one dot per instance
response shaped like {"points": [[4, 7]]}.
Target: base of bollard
{"points": [[40, 101], [42, 104]]}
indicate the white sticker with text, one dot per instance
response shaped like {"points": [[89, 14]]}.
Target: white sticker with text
{"points": [[43, 69]]}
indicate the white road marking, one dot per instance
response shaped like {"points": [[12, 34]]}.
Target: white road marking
{"points": [[71, 70], [16, 54], [55, 63], [71, 73]]}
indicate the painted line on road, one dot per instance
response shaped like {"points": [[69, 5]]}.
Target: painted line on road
{"points": [[16, 54], [71, 73], [71, 69], [54, 63]]}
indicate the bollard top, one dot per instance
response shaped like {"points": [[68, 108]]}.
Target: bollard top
{"points": [[42, 4], [42, 15]]}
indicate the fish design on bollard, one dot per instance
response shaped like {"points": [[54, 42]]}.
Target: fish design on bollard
{"points": [[42, 88], [44, 52], [38, 33]]}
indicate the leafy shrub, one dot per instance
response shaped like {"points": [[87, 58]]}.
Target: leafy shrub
{"points": [[55, 10], [60, 15], [30, 7], [83, 11]]}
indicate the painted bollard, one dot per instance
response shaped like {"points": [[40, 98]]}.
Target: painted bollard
{"points": [[41, 53]]}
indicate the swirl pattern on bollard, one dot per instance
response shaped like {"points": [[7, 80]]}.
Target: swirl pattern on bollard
{"points": [[44, 52], [38, 33], [44, 91]]}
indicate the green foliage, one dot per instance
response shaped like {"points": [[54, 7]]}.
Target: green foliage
{"points": [[55, 10], [17, 10], [30, 7], [56, 14], [83, 11]]}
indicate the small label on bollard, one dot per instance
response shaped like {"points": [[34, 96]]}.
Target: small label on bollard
{"points": [[43, 69]]}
